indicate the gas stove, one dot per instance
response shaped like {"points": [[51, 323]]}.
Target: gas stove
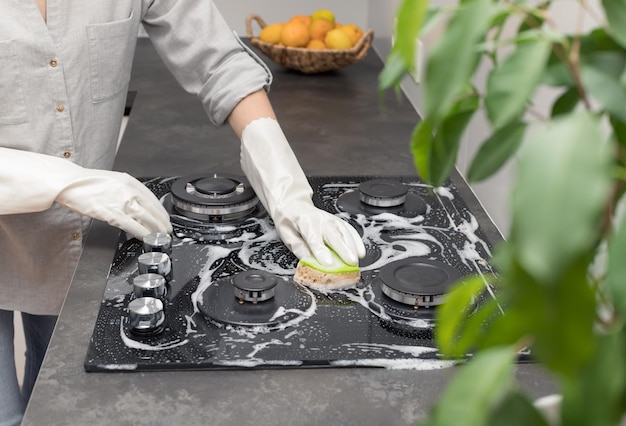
{"points": [[218, 293]]}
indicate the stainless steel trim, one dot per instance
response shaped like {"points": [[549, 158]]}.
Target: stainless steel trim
{"points": [[382, 202], [412, 299]]}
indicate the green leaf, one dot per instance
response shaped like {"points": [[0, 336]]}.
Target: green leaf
{"points": [[537, 310], [616, 271], [569, 300], [410, 17], [616, 15], [597, 41], [557, 75], [511, 84], [517, 410], [566, 102], [496, 150], [562, 185], [591, 44], [452, 317], [476, 389], [478, 327], [432, 18], [605, 89], [454, 57], [447, 140], [393, 71], [594, 397], [421, 141], [611, 63], [619, 130], [534, 20]]}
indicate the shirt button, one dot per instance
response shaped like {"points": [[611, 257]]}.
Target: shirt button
{"points": [[53, 63], [67, 154], [60, 108], [76, 236]]}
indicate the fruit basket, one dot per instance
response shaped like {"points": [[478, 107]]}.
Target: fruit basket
{"points": [[309, 61]]}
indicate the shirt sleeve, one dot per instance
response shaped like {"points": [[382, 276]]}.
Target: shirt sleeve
{"points": [[204, 55]]}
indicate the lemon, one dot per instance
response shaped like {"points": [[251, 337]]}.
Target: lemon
{"points": [[271, 33], [323, 14], [337, 39]]}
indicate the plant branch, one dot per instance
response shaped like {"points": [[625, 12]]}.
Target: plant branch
{"points": [[571, 61], [597, 18], [539, 116]]}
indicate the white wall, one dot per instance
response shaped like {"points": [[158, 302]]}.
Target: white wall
{"points": [[236, 11]]}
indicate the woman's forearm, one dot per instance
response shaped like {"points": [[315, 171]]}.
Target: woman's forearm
{"points": [[256, 105]]}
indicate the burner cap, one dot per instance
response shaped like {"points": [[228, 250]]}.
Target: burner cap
{"points": [[285, 303], [378, 196], [417, 282], [213, 198], [383, 192], [254, 286], [215, 187]]}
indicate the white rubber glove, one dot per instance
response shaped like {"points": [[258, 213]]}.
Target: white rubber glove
{"points": [[31, 182], [275, 175]]}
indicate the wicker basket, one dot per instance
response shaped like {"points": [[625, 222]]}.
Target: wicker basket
{"points": [[309, 61]]}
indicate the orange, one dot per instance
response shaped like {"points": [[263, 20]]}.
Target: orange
{"points": [[319, 27], [337, 39], [271, 33], [354, 32], [316, 45], [338, 25], [304, 19], [295, 34]]}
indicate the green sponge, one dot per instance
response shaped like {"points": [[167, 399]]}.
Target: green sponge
{"points": [[339, 275], [338, 266]]}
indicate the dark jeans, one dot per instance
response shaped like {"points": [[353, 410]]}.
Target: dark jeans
{"points": [[37, 332]]}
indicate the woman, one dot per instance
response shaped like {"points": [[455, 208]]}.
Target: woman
{"points": [[65, 71]]}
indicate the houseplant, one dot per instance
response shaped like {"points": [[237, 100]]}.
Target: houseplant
{"points": [[562, 269]]}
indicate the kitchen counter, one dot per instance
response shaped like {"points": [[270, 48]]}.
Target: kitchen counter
{"points": [[337, 126]]}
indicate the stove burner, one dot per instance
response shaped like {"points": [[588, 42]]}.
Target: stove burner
{"points": [[254, 286], [378, 196], [382, 193], [214, 198], [417, 282], [278, 301]]}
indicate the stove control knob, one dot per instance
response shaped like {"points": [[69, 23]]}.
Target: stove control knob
{"points": [[149, 285], [155, 263], [146, 315], [158, 242]]}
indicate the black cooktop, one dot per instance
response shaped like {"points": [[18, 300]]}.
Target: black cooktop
{"points": [[230, 301]]}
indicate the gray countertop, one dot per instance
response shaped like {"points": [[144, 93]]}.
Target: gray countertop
{"points": [[337, 126]]}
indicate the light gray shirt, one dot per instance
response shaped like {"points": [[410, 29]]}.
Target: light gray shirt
{"points": [[63, 87]]}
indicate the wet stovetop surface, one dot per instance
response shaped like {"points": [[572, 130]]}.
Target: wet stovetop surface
{"points": [[307, 328]]}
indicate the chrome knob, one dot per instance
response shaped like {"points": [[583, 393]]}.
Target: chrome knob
{"points": [[158, 242], [149, 285], [155, 263], [146, 315]]}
